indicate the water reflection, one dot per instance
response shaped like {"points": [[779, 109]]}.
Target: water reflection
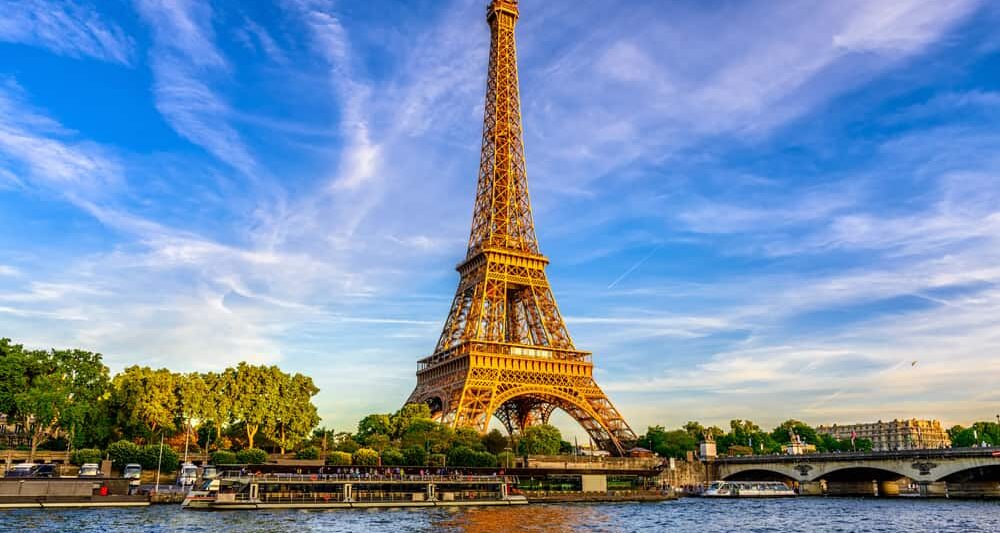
{"points": [[536, 518]]}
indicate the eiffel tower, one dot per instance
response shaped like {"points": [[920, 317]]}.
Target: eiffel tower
{"points": [[505, 350]]}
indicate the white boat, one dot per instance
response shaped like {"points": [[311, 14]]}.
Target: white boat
{"points": [[748, 489]]}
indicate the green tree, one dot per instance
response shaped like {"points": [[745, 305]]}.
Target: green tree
{"points": [[424, 432], [86, 455], [365, 457], [293, 414], [469, 438], [61, 388], [393, 457], [415, 456], [495, 441], [255, 391], [145, 401], [217, 407], [223, 457], [309, 452], [407, 415], [783, 433], [461, 456], [192, 400], [542, 439], [338, 459], [123, 452], [251, 456], [150, 456], [668, 443], [375, 424]]}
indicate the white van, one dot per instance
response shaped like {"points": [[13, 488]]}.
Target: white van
{"points": [[188, 475]]}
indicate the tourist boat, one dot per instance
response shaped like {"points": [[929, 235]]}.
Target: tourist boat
{"points": [[748, 489], [321, 491]]}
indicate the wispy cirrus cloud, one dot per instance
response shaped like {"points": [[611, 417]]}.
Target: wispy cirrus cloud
{"points": [[185, 62], [66, 28]]}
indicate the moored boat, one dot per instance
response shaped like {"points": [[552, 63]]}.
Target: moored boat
{"points": [[321, 491], [748, 489]]}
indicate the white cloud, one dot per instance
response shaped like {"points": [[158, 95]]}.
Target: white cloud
{"points": [[70, 29], [184, 60]]}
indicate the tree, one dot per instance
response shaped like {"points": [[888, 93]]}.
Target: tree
{"points": [[392, 457], [424, 432], [86, 455], [668, 443], [251, 456], [495, 441], [152, 455], [375, 424], [193, 399], [469, 438], [407, 415], [339, 459], [783, 433], [308, 452], [60, 389], [415, 456], [223, 457], [122, 453], [255, 391], [365, 457], [145, 401], [542, 439], [293, 414], [217, 408]]}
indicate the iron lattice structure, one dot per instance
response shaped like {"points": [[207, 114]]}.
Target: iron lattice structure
{"points": [[505, 350]]}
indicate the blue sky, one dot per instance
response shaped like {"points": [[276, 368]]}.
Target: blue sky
{"points": [[753, 209]]}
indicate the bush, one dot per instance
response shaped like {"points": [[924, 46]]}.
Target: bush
{"points": [[124, 452], [86, 455], [149, 458], [414, 456], [365, 457], [461, 456], [309, 452], [393, 457], [465, 456], [251, 456], [484, 460], [437, 459], [338, 459], [223, 457]]}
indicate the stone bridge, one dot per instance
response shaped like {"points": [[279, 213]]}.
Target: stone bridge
{"points": [[973, 472]]}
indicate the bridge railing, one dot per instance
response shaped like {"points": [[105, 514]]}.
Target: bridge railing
{"points": [[853, 456]]}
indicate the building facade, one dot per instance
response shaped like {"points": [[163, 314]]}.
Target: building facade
{"points": [[910, 434]]}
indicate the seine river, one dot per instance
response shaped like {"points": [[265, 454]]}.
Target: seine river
{"points": [[704, 516]]}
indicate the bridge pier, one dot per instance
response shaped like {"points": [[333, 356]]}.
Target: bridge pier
{"points": [[933, 489], [852, 488], [811, 488]]}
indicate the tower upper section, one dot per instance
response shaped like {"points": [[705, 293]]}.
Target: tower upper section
{"points": [[501, 218]]}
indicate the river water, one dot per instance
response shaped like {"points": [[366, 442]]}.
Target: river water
{"points": [[819, 515]]}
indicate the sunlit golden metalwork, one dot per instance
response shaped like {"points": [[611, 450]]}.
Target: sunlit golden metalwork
{"points": [[505, 350]]}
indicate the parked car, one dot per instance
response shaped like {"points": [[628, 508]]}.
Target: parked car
{"points": [[89, 470], [188, 475], [32, 470], [21, 470], [132, 472]]}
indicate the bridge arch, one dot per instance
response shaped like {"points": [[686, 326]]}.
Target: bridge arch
{"points": [[966, 474], [862, 473], [522, 406]]}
